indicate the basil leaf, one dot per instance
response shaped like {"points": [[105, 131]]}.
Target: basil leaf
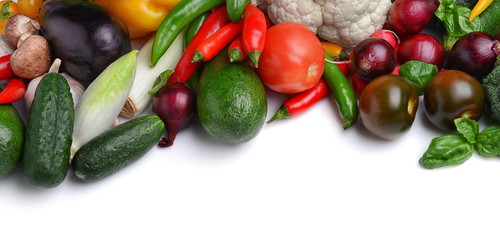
{"points": [[469, 128], [447, 150], [419, 73], [456, 22], [4, 11], [488, 141]]}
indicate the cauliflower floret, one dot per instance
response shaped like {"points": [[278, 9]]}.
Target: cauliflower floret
{"points": [[344, 22], [306, 12], [348, 22]]}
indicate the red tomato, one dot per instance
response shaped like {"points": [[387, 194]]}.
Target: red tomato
{"points": [[293, 59]]}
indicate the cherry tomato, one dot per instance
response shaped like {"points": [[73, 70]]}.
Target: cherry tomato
{"points": [[29, 7], [453, 94], [13, 9], [293, 59], [387, 106]]}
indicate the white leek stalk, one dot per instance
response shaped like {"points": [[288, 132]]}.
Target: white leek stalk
{"points": [[139, 99], [103, 100]]}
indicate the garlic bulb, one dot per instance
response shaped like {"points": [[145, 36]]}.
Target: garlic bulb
{"points": [[5, 47], [76, 88]]}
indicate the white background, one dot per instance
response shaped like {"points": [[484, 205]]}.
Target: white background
{"points": [[301, 178]]}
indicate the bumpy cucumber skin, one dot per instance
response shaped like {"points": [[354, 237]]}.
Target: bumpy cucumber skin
{"points": [[117, 147], [48, 133], [11, 139]]}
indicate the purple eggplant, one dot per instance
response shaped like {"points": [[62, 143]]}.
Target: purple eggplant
{"points": [[86, 37]]}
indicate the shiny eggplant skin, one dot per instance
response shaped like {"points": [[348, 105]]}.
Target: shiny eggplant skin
{"points": [[86, 37]]}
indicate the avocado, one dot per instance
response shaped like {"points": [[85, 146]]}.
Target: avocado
{"points": [[11, 139], [231, 100]]}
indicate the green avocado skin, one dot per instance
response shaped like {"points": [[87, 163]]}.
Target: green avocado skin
{"points": [[11, 139], [231, 100]]}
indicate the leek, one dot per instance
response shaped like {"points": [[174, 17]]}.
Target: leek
{"points": [[139, 99], [103, 100]]}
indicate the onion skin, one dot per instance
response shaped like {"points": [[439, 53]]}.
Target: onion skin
{"points": [[409, 17], [474, 53], [373, 57], [422, 47], [175, 105]]}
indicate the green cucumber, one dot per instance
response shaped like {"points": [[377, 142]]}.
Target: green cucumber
{"points": [[11, 139], [117, 147], [47, 139]]}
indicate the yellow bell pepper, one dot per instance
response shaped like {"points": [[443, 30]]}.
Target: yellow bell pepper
{"points": [[334, 50], [140, 16]]}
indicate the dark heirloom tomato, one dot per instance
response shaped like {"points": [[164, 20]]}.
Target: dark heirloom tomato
{"points": [[453, 94], [388, 105]]}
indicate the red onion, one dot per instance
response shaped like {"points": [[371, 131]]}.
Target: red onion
{"points": [[474, 53], [373, 57], [175, 105], [422, 47], [408, 17]]}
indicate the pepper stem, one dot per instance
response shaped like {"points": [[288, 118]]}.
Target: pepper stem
{"points": [[254, 56], [235, 55], [198, 56], [282, 113]]}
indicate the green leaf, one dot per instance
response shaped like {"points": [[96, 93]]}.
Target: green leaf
{"points": [[488, 141], [4, 11], [447, 150], [419, 73], [160, 82], [456, 21], [469, 128]]}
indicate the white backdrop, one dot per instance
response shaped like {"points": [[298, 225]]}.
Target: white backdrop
{"points": [[301, 178]]}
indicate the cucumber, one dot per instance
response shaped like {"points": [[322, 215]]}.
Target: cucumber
{"points": [[47, 140], [117, 147], [11, 139]]}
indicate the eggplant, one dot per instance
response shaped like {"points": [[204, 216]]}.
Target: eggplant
{"points": [[86, 37]]}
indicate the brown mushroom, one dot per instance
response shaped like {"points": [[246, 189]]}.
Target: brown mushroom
{"points": [[32, 58], [17, 25]]}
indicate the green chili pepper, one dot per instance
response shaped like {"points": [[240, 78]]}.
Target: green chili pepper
{"points": [[193, 28], [176, 20], [235, 9], [342, 92]]}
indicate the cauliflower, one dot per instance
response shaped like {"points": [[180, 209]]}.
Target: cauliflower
{"points": [[344, 22]]}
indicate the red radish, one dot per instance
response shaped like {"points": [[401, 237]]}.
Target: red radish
{"points": [[388, 35], [475, 53], [358, 85], [422, 47], [396, 70], [409, 17], [373, 57], [175, 105]]}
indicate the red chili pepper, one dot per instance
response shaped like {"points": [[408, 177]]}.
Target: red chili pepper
{"points": [[5, 70], [254, 32], [302, 101], [235, 51], [344, 67], [185, 67], [14, 91], [209, 48]]}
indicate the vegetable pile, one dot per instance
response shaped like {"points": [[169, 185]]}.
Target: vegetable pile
{"points": [[210, 62]]}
